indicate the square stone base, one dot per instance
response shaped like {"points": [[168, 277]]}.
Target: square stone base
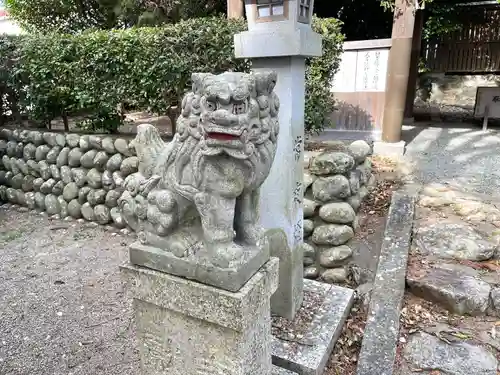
{"points": [[197, 266], [187, 328], [309, 355]]}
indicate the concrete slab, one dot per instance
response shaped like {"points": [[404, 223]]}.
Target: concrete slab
{"points": [[309, 355], [389, 149], [378, 350]]}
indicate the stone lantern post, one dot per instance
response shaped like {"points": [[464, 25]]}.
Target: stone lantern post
{"points": [[280, 38]]}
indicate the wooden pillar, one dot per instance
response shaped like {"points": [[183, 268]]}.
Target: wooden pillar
{"points": [[235, 9], [398, 70], [415, 58]]}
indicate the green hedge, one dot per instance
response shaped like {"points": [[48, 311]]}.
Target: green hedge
{"points": [[97, 73]]}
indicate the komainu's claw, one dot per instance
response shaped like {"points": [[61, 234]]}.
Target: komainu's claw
{"points": [[148, 185]]}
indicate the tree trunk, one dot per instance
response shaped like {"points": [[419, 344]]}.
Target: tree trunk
{"points": [[65, 121], [235, 9]]}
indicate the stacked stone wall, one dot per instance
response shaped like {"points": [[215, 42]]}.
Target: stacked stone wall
{"points": [[336, 183], [74, 175]]}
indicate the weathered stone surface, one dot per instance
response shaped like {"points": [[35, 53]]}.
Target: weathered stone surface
{"points": [[6, 162], [8, 177], [70, 191], [13, 166], [52, 155], [332, 234], [84, 143], [112, 198], [114, 163], [37, 183], [17, 181], [355, 202], [308, 180], [330, 188], [33, 168], [117, 218], [334, 256], [87, 160], [108, 145], [381, 335], [129, 166], [6, 134], [21, 165], [74, 209], [11, 148], [73, 140], [453, 240], [118, 179], [82, 194], [27, 183], [309, 207], [365, 171], [40, 201], [3, 179], [30, 200], [11, 195], [95, 197], [354, 181], [308, 227], [309, 354], [311, 272], [62, 158], [121, 145], [60, 140], [74, 157], [66, 175], [360, 150], [457, 288], [495, 300], [29, 151], [63, 205], [47, 186], [288, 297], [54, 172], [329, 163], [3, 193], [107, 180], [100, 160], [36, 138], [88, 212], [3, 147], [20, 198], [94, 178], [337, 213], [58, 188], [95, 142], [79, 176], [102, 214], [41, 152], [50, 138], [236, 323], [52, 205], [424, 351], [334, 275]]}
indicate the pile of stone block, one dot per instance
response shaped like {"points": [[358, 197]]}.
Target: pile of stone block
{"points": [[335, 182], [74, 175]]}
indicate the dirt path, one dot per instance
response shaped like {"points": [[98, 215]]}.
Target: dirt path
{"points": [[62, 307]]}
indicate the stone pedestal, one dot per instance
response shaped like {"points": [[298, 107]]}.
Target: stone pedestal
{"points": [[188, 328]]}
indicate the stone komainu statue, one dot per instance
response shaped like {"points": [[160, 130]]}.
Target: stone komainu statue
{"points": [[202, 189]]}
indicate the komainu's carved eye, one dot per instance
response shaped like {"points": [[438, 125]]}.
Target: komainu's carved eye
{"points": [[239, 108], [211, 106]]}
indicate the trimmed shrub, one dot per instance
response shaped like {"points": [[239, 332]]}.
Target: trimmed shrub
{"points": [[97, 73]]}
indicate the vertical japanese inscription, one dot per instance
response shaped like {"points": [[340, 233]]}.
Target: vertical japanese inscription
{"points": [[298, 233], [298, 193], [298, 144]]}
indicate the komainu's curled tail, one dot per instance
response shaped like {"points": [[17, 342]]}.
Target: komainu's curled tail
{"points": [[148, 146]]}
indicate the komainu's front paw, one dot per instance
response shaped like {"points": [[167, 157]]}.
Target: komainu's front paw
{"points": [[224, 255], [250, 234]]}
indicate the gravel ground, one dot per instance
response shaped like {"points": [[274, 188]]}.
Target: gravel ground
{"points": [[62, 307], [457, 154]]}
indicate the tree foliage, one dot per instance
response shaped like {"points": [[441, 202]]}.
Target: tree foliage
{"points": [[93, 73]]}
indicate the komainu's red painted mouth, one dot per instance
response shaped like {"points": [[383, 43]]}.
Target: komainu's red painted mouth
{"points": [[222, 136]]}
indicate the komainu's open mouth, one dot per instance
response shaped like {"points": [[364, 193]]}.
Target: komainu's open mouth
{"points": [[222, 136]]}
